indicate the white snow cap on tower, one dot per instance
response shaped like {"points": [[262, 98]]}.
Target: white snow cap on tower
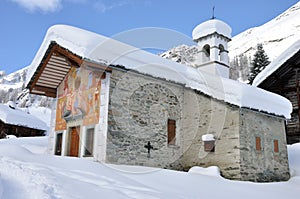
{"points": [[210, 27]]}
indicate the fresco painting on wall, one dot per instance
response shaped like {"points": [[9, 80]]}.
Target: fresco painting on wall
{"points": [[78, 98]]}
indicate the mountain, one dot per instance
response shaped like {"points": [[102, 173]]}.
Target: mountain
{"points": [[12, 89], [276, 36]]}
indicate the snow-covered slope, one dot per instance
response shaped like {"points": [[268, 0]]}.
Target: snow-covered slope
{"points": [[276, 35], [11, 89], [14, 80], [27, 173]]}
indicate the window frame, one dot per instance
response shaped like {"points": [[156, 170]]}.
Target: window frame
{"points": [[171, 136], [276, 146], [258, 145]]}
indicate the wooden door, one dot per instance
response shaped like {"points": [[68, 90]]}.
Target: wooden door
{"points": [[74, 141]]}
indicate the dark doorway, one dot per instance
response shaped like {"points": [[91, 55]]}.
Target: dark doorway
{"points": [[58, 144]]}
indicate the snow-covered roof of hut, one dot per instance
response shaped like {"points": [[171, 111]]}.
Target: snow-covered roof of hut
{"points": [[11, 115], [210, 27], [277, 63], [97, 48]]}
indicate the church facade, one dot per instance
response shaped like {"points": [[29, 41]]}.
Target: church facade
{"points": [[159, 113]]}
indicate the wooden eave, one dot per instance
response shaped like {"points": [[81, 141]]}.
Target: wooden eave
{"points": [[53, 68], [282, 74]]}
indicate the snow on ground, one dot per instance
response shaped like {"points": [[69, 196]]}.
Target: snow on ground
{"points": [[27, 172]]}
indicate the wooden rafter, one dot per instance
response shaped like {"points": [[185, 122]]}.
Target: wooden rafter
{"points": [[55, 65], [52, 70]]}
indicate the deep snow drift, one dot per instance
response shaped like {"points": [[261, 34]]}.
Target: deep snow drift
{"points": [[27, 172]]}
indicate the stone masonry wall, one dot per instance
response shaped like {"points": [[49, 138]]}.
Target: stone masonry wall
{"points": [[139, 108], [221, 120], [263, 165]]}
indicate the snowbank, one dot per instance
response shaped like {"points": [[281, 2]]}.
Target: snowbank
{"points": [[20, 118], [1, 187], [27, 175], [294, 159], [209, 171], [108, 51]]}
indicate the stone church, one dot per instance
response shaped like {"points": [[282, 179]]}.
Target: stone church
{"points": [[118, 104]]}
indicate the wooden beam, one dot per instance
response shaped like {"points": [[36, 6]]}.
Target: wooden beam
{"points": [[70, 56], [53, 73], [47, 82], [46, 76], [46, 85], [45, 89], [50, 79], [50, 66], [59, 71], [59, 62]]}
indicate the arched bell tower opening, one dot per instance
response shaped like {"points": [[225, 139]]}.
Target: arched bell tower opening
{"points": [[212, 37], [206, 53]]}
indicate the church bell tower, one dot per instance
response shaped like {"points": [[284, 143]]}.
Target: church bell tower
{"points": [[212, 37]]}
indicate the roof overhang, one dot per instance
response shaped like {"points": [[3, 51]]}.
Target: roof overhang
{"points": [[283, 73], [55, 65]]}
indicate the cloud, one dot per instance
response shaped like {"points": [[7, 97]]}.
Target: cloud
{"points": [[40, 5], [103, 6]]}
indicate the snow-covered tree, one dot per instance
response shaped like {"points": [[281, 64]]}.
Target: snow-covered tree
{"points": [[259, 62], [239, 67]]}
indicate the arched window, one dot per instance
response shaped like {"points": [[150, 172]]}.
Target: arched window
{"points": [[222, 52], [206, 52]]}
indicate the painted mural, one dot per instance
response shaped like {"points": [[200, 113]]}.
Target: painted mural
{"points": [[79, 98]]}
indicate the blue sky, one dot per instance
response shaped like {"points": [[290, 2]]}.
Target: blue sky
{"points": [[24, 22]]}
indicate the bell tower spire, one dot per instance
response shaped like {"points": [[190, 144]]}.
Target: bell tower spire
{"points": [[212, 37], [213, 13]]}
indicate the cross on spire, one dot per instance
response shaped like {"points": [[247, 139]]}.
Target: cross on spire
{"points": [[213, 13]]}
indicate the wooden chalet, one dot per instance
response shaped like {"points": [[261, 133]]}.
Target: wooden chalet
{"points": [[19, 123], [285, 81]]}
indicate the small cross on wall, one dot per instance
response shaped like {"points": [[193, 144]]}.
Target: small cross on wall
{"points": [[149, 147]]}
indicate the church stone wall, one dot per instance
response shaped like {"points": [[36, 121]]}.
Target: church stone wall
{"points": [[266, 164], [139, 109], [140, 106], [221, 120]]}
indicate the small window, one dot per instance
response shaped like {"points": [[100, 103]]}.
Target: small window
{"points": [[89, 142], [258, 143], [209, 146], [276, 147], [58, 144], [171, 132]]}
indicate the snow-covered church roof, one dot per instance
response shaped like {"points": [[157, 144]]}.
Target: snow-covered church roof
{"points": [[11, 115], [210, 27], [277, 63], [100, 49]]}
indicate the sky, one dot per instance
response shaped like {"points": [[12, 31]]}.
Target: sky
{"points": [[24, 23]]}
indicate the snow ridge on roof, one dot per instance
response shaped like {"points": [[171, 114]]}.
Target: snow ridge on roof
{"points": [[99, 48], [20, 118], [277, 63], [210, 27]]}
